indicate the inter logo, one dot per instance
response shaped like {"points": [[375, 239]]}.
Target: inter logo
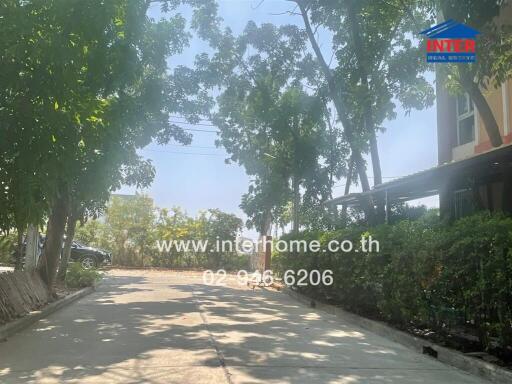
{"points": [[451, 42]]}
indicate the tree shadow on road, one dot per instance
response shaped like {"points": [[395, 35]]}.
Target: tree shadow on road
{"points": [[141, 330]]}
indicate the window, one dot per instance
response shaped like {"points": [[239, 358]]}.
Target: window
{"points": [[465, 120]]}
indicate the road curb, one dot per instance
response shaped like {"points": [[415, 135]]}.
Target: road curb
{"points": [[15, 326], [451, 357]]}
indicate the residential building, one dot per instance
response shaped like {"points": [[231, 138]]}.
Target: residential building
{"points": [[471, 174]]}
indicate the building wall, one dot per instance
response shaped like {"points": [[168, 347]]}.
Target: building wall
{"points": [[500, 102], [490, 189], [508, 95]]}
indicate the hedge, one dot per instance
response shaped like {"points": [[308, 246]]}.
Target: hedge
{"points": [[427, 274]]}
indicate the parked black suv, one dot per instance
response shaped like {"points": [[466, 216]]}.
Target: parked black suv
{"points": [[89, 257]]}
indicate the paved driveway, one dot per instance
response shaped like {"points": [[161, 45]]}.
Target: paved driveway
{"points": [[162, 327]]}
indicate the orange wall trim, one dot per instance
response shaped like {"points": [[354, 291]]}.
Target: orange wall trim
{"points": [[487, 146]]}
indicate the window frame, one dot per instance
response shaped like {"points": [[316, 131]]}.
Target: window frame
{"points": [[469, 114]]}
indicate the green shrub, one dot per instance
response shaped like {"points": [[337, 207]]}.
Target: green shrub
{"points": [[78, 277], [427, 274], [7, 247], [475, 273]]}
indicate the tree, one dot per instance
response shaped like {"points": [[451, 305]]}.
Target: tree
{"points": [[131, 221], [86, 83], [376, 63], [335, 93], [265, 200], [175, 224], [133, 226], [269, 124], [219, 226], [95, 234], [303, 117], [73, 216]]}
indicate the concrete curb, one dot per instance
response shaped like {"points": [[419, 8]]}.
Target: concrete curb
{"points": [[15, 326], [451, 357]]}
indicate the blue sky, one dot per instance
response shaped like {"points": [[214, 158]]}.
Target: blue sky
{"points": [[196, 177]]}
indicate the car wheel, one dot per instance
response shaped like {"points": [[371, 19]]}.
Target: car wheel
{"points": [[88, 262]]}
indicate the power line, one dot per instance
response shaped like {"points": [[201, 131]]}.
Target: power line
{"points": [[199, 130], [184, 153], [196, 124], [184, 118], [195, 129], [192, 146], [223, 155]]}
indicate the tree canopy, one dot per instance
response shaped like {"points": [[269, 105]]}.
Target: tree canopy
{"points": [[85, 84]]}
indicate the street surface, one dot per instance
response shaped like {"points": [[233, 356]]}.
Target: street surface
{"points": [[168, 327]]}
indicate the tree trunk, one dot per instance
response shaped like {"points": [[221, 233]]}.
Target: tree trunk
{"points": [[267, 223], [481, 104], [332, 209], [366, 202], [295, 205], [362, 65], [374, 151], [66, 252], [53, 245], [332, 140], [335, 96], [377, 176], [18, 256], [347, 186]]}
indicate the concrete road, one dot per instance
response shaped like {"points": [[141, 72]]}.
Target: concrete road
{"points": [[163, 327]]}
